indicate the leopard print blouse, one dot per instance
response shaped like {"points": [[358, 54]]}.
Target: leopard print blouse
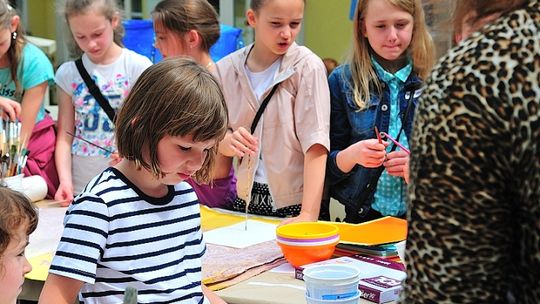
{"points": [[474, 215]]}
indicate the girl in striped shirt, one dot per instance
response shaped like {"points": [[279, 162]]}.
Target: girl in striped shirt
{"points": [[137, 224]]}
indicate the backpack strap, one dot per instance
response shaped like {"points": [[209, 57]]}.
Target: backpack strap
{"points": [[94, 90], [261, 108]]}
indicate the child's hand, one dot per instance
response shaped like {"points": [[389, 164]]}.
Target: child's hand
{"points": [[406, 172], [64, 194], [11, 108], [397, 164], [302, 217], [242, 142], [369, 152], [114, 159]]}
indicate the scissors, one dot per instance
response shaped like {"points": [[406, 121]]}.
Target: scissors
{"points": [[385, 135]]}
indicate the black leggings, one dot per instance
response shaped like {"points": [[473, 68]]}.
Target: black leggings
{"points": [[262, 204]]}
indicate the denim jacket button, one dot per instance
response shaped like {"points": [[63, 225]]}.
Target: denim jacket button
{"points": [[384, 107], [367, 186]]}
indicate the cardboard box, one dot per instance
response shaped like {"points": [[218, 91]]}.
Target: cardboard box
{"points": [[380, 279]]}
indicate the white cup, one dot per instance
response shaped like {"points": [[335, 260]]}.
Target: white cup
{"points": [[352, 300], [331, 282]]}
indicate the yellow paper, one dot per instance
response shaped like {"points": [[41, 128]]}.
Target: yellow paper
{"points": [[380, 231], [212, 219], [40, 267]]}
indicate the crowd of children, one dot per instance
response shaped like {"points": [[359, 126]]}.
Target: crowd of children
{"points": [[269, 130]]}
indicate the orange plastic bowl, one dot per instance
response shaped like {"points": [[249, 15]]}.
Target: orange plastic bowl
{"points": [[302, 255], [307, 230]]}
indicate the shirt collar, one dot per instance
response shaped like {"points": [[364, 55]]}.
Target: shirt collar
{"points": [[386, 76]]}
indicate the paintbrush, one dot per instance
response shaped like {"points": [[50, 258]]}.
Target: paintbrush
{"points": [[89, 142], [130, 295]]}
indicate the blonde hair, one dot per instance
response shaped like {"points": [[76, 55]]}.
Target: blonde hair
{"points": [[16, 210], [175, 97], [108, 8], [421, 50], [181, 16], [15, 50]]}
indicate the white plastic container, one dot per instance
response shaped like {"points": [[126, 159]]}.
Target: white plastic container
{"points": [[351, 300], [331, 282], [34, 187]]}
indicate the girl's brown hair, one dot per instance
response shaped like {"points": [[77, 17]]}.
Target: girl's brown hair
{"points": [[109, 9], [15, 50], [175, 97], [483, 8], [181, 16], [256, 5], [421, 49], [16, 211]]}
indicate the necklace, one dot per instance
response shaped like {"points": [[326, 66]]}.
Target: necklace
{"points": [[209, 64]]}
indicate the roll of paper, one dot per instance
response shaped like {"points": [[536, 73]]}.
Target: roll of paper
{"points": [[14, 182], [34, 187]]}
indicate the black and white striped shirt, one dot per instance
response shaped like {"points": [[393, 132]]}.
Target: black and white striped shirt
{"points": [[115, 236]]}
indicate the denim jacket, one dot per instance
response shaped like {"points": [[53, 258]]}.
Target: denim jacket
{"points": [[348, 125]]}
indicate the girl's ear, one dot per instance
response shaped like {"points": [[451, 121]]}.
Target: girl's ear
{"points": [[14, 23], [251, 17], [115, 20], [134, 122], [193, 39], [458, 37], [363, 27]]}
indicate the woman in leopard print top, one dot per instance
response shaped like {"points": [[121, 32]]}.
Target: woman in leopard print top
{"points": [[474, 216]]}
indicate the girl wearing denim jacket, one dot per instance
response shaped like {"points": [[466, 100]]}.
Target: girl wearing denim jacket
{"points": [[377, 90]]}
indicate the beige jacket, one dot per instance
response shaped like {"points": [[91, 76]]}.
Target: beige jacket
{"points": [[297, 117]]}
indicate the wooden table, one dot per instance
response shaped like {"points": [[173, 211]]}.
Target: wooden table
{"points": [[266, 288]]}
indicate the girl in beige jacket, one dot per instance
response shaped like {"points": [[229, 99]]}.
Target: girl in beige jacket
{"points": [[281, 163]]}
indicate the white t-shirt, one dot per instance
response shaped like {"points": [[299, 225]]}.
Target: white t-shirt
{"points": [[260, 82], [115, 236], [115, 81]]}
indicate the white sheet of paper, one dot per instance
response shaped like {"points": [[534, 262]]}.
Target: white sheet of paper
{"points": [[283, 268], [47, 235], [236, 236]]}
